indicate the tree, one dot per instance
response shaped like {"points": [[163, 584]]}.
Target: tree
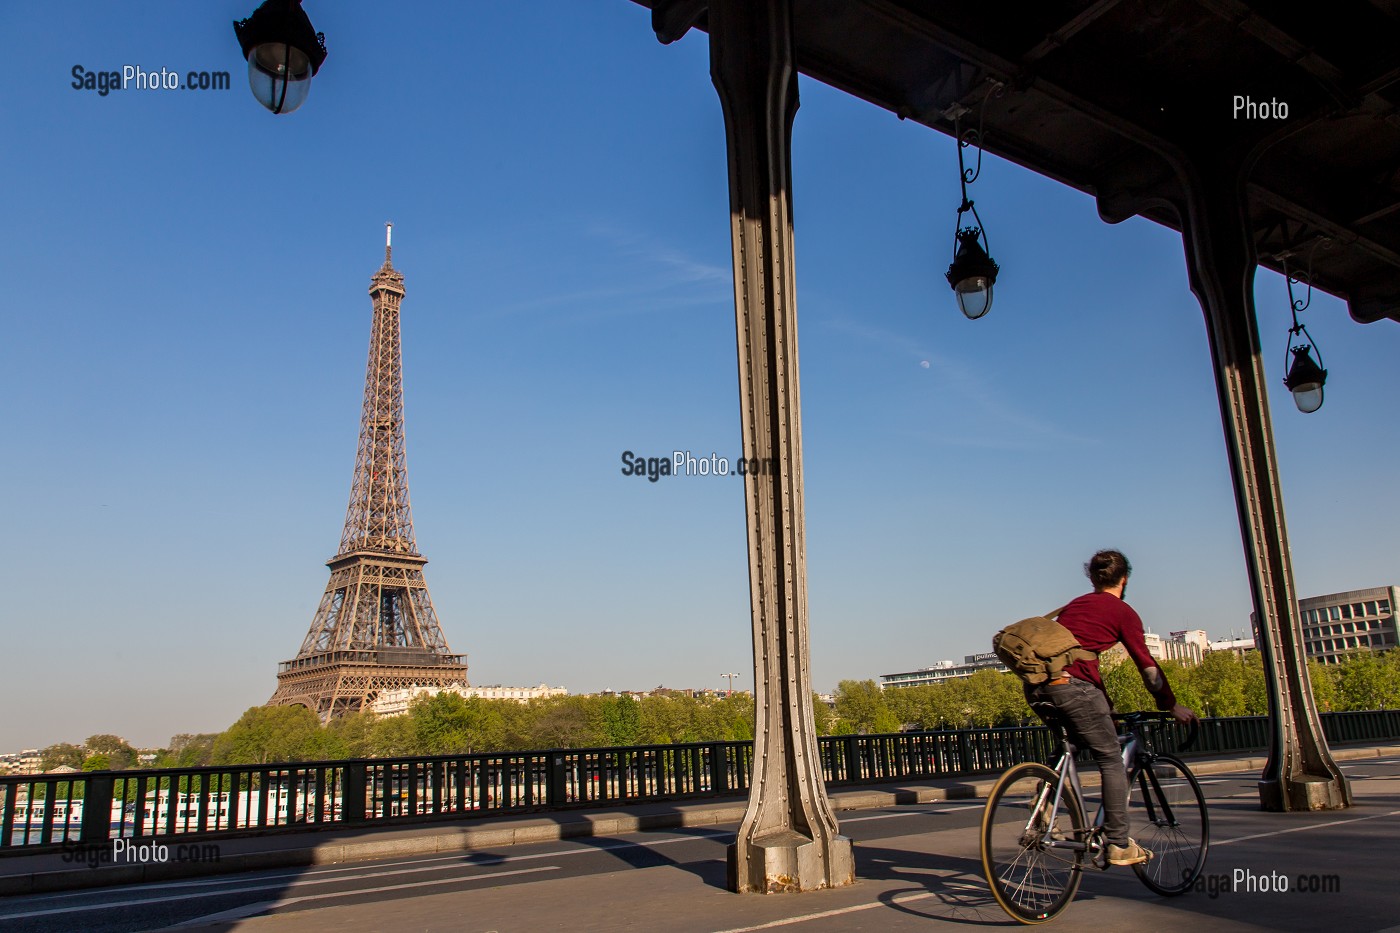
{"points": [[447, 723], [393, 737], [97, 762], [354, 733], [1219, 681], [620, 720], [1256, 689], [995, 698], [1126, 691], [1124, 686], [563, 722], [861, 706], [930, 706], [1231, 685], [738, 713], [666, 720], [269, 733], [1324, 685], [904, 706], [62, 754], [119, 752], [1367, 680], [1178, 674], [518, 722], [959, 703], [714, 719], [188, 751]]}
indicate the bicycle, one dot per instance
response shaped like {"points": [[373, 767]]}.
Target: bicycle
{"points": [[1034, 862]]}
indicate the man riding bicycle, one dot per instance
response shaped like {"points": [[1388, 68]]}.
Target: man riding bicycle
{"points": [[1099, 620]]}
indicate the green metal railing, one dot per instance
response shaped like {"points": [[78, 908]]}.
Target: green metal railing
{"points": [[49, 810]]}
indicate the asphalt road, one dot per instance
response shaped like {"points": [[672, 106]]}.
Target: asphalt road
{"points": [[917, 864]]}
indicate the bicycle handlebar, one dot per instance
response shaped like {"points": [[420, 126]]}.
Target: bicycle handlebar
{"points": [[1133, 719], [1192, 732]]}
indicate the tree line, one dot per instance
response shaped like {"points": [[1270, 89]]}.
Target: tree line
{"points": [[447, 724], [1222, 685], [99, 753]]}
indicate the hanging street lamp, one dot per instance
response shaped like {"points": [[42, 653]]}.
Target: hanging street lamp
{"points": [[1305, 380], [1306, 377], [284, 51], [973, 271]]}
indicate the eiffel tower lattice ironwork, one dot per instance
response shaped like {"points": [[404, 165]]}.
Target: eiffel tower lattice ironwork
{"points": [[375, 629]]}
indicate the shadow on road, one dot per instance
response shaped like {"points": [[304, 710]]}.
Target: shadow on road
{"points": [[633, 851]]}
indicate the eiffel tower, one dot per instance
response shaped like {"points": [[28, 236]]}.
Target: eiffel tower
{"points": [[375, 629]]}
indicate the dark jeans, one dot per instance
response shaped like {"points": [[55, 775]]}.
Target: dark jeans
{"points": [[1085, 710]]}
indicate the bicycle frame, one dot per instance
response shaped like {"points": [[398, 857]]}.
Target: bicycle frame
{"points": [[1136, 762]]}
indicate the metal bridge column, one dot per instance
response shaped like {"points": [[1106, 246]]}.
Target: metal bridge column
{"points": [[788, 840], [1221, 261]]}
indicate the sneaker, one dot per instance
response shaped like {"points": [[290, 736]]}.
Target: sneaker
{"points": [[1130, 854]]}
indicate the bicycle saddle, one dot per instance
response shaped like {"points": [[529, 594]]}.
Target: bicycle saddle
{"points": [[1048, 712]]}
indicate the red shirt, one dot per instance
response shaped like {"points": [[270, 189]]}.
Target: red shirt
{"points": [[1101, 620]]}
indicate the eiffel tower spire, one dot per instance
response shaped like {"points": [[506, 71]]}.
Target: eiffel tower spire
{"points": [[379, 517], [376, 628]]}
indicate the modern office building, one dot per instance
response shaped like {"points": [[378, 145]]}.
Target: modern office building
{"points": [[944, 671], [1342, 624]]}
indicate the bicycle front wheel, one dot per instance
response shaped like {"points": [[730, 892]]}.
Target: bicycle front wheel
{"points": [[1031, 861], [1168, 815]]}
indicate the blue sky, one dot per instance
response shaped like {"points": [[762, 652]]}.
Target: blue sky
{"points": [[186, 325]]}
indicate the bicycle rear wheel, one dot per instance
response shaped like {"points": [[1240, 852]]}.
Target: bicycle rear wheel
{"points": [[1030, 878], [1168, 814]]}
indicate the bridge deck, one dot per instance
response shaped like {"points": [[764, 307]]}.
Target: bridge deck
{"points": [[916, 861]]}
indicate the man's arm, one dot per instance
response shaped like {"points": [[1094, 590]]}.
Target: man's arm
{"points": [[1156, 683], [1130, 634]]}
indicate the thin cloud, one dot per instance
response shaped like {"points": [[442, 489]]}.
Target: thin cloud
{"points": [[1007, 428], [684, 269], [658, 278]]}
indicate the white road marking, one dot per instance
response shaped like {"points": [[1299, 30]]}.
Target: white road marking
{"points": [[241, 912], [111, 905], [889, 816], [249, 910], [361, 870], [1299, 829], [830, 913]]}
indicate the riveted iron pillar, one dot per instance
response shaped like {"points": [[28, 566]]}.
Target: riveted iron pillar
{"points": [[1300, 773], [789, 839]]}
